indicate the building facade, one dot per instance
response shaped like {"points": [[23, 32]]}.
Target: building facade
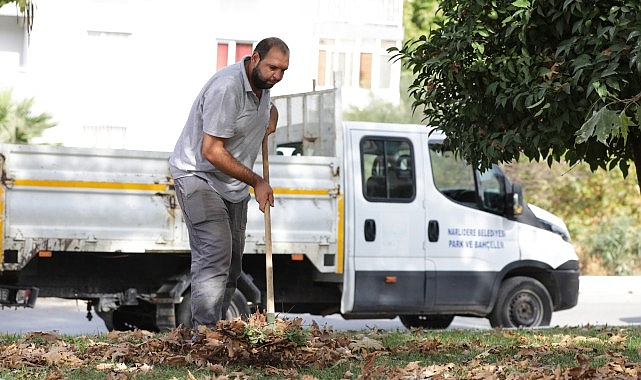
{"points": [[123, 73]]}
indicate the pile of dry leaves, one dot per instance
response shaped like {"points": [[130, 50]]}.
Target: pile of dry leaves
{"points": [[285, 349]]}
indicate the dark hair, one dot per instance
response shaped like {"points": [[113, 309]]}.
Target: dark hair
{"points": [[265, 45]]}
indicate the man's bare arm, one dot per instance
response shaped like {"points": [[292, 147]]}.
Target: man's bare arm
{"points": [[214, 151]]}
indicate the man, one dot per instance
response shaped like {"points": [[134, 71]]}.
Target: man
{"points": [[212, 169]]}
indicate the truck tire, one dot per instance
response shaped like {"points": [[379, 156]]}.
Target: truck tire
{"points": [[130, 317], [237, 308], [521, 302], [432, 322]]}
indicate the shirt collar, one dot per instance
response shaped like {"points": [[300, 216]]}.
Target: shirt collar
{"points": [[248, 87]]}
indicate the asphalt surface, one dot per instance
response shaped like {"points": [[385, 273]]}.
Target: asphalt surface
{"points": [[603, 300]]}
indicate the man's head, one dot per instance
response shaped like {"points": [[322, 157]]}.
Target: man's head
{"points": [[268, 63]]}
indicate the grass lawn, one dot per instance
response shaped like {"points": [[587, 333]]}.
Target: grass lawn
{"points": [[254, 349]]}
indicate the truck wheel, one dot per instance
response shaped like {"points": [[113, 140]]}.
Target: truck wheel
{"points": [[521, 302], [237, 308], [128, 318], [432, 322]]}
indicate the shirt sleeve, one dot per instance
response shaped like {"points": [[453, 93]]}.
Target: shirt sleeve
{"points": [[221, 108]]}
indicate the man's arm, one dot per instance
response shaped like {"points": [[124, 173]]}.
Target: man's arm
{"points": [[214, 151]]}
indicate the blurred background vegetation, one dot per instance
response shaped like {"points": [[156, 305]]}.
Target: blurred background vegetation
{"points": [[601, 209]]}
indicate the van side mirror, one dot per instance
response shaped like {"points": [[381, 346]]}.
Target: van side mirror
{"points": [[515, 200]]}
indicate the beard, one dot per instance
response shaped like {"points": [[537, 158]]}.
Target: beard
{"points": [[258, 81]]}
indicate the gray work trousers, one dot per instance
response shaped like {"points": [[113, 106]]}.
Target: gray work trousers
{"points": [[217, 240]]}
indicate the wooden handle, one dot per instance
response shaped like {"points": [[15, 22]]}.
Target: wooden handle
{"points": [[269, 265]]}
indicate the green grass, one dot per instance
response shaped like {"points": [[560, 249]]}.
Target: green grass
{"points": [[306, 353]]}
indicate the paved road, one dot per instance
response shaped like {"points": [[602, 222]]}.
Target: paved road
{"points": [[612, 301]]}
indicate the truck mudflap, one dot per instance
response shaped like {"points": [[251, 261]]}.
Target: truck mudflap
{"points": [[566, 277], [14, 296]]}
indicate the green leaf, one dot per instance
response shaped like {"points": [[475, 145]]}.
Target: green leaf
{"points": [[480, 48], [521, 4], [601, 124], [624, 123], [600, 89], [538, 103], [581, 61]]}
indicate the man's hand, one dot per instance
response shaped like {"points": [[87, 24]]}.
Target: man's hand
{"points": [[264, 195]]}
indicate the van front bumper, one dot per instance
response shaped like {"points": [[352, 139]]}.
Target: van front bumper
{"points": [[566, 278]]}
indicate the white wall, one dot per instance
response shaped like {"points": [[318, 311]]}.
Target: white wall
{"points": [[143, 75]]}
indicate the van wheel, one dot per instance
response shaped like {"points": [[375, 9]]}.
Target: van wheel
{"points": [[432, 322], [237, 308], [521, 302]]}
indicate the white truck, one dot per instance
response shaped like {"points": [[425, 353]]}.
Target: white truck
{"points": [[370, 220]]}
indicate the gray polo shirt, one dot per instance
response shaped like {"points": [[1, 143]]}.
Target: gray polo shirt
{"points": [[227, 108]]}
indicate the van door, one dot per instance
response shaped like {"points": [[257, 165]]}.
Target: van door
{"points": [[470, 239], [385, 267]]}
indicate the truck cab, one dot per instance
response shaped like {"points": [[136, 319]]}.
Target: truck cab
{"points": [[429, 236]]}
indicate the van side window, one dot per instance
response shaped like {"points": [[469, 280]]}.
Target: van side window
{"points": [[491, 191], [387, 169], [455, 179]]}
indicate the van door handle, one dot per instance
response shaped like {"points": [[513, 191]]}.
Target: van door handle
{"points": [[432, 230], [370, 230]]}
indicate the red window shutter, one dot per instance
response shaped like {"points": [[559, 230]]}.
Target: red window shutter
{"points": [[243, 50], [223, 55]]}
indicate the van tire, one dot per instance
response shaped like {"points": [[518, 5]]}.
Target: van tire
{"points": [[521, 302], [237, 308], [432, 322]]}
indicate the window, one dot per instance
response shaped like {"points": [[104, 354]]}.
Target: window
{"points": [[222, 56], [363, 62], [242, 50], [491, 190], [387, 170], [322, 59], [452, 177], [455, 179], [365, 73], [230, 52]]}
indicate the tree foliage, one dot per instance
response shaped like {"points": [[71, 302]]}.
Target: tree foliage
{"points": [[545, 79], [17, 124]]}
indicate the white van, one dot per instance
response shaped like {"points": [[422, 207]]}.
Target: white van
{"points": [[428, 237]]}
